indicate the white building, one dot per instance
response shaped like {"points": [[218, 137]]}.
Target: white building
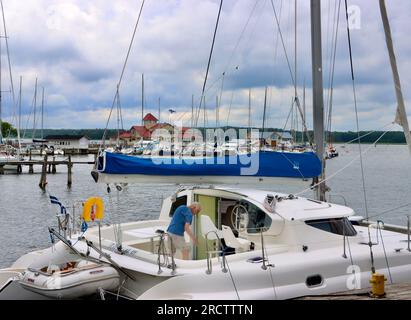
{"points": [[73, 142]]}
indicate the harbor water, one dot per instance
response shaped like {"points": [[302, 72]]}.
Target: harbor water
{"points": [[26, 211]]}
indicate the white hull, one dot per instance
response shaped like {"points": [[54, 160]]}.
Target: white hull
{"points": [[196, 180], [301, 258]]}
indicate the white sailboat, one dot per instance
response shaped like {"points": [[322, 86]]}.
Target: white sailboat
{"points": [[276, 246]]}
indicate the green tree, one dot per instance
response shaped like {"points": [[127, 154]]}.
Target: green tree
{"points": [[8, 130]]}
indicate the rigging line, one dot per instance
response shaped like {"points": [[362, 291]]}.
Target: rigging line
{"points": [[358, 132], [282, 153], [385, 255], [283, 44], [327, 47], [28, 117], [289, 114], [340, 170], [232, 280], [120, 111], [229, 107], [276, 39], [236, 46], [288, 61], [392, 209], [269, 270], [210, 55], [332, 69], [349, 250], [295, 47], [8, 53], [122, 73], [370, 132]]}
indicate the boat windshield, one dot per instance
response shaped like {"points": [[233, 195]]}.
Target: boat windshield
{"points": [[258, 220], [341, 226]]}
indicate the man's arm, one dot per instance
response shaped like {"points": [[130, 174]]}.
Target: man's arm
{"points": [[188, 230]]}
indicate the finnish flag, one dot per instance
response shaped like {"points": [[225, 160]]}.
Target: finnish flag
{"points": [[54, 200]]}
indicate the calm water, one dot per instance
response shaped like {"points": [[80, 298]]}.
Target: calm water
{"points": [[25, 210]]}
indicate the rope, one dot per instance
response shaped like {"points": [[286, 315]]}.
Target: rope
{"points": [[342, 169], [399, 207], [235, 47], [364, 135], [121, 75], [232, 280], [358, 133], [331, 76], [385, 253], [271, 275], [209, 59]]}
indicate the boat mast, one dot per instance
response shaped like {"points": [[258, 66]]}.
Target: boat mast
{"points": [[19, 119], [192, 110], [42, 113], [265, 108], [142, 99], [401, 116], [249, 109], [318, 98], [1, 124], [33, 134], [159, 109]]}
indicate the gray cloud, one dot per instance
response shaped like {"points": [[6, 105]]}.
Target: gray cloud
{"points": [[77, 49]]}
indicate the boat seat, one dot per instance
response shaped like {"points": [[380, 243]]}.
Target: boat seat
{"points": [[208, 229], [237, 243]]}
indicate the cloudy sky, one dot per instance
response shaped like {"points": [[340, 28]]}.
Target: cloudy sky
{"points": [[77, 48]]}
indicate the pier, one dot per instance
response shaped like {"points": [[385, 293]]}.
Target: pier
{"points": [[401, 291], [47, 166]]}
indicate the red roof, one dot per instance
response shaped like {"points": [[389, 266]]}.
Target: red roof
{"points": [[149, 117], [125, 135], [142, 131]]}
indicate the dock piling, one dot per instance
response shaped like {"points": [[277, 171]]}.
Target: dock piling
{"points": [[43, 178], [53, 166], [69, 174]]}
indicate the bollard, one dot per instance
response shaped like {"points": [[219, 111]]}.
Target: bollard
{"points": [[31, 168], [377, 285]]}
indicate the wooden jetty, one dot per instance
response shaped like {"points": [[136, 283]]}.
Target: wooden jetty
{"points": [[47, 166], [401, 291]]}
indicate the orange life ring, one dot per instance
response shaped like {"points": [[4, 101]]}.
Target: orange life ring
{"points": [[93, 209]]}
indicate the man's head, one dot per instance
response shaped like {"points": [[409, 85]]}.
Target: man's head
{"points": [[195, 207]]}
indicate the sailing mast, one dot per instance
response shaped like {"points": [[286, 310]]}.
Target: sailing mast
{"points": [[1, 124], [19, 119], [33, 134], [42, 113], [318, 98], [401, 116], [142, 99]]}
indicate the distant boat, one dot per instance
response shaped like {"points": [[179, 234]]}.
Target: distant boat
{"points": [[114, 167]]}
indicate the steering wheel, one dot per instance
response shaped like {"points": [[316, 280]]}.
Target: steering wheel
{"points": [[239, 218]]}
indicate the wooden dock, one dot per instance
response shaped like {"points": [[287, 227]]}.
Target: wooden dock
{"points": [[47, 166], [400, 291]]}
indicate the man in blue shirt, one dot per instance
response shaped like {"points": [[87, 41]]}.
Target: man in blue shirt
{"points": [[180, 223]]}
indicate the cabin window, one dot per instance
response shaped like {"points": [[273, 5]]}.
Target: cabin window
{"points": [[341, 226], [179, 202]]}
